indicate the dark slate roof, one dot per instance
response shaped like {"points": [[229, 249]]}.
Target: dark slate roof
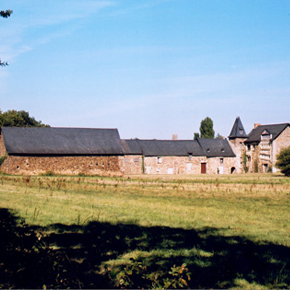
{"points": [[238, 130], [216, 147], [162, 147], [275, 130], [131, 147], [61, 141]]}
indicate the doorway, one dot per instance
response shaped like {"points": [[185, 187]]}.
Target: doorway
{"points": [[203, 168]]}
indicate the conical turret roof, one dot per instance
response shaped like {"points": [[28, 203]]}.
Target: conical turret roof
{"points": [[238, 130]]}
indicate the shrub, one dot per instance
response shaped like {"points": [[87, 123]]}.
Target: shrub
{"points": [[2, 159], [256, 166], [47, 173], [283, 161], [245, 167]]}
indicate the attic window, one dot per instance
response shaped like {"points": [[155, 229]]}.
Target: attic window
{"points": [[207, 150], [223, 149], [241, 131]]}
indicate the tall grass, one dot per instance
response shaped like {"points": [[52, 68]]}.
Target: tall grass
{"points": [[140, 231], [255, 206]]}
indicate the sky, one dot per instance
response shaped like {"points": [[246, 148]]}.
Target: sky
{"points": [[151, 68]]}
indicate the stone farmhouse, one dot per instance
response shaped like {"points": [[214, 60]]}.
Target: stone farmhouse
{"points": [[257, 151], [75, 151]]}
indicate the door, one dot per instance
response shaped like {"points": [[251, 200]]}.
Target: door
{"points": [[203, 168]]}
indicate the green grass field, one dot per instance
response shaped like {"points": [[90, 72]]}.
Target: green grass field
{"points": [[138, 231]]}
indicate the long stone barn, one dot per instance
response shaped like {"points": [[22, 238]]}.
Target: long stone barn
{"points": [[213, 156], [32, 151]]}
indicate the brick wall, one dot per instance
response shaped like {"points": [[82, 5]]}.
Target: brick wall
{"points": [[90, 165]]}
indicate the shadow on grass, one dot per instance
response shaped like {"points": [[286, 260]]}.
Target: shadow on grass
{"points": [[92, 255]]}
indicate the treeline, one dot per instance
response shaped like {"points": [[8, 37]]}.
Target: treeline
{"points": [[13, 118]]}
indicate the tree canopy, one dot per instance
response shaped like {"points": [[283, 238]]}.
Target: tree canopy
{"points": [[5, 14], [283, 161], [206, 128], [13, 118]]}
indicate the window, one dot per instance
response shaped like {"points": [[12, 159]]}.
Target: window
{"points": [[221, 160], [189, 156], [266, 137], [248, 147], [241, 145], [223, 149], [241, 131], [208, 150], [159, 159]]}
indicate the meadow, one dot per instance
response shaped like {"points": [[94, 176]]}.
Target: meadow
{"points": [[155, 232]]}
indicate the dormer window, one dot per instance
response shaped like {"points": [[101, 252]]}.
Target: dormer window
{"points": [[207, 150], [241, 131], [266, 135], [223, 150]]}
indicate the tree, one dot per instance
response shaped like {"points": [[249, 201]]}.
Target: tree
{"points": [[206, 128], [13, 118], [219, 136], [283, 161], [5, 14], [196, 135]]}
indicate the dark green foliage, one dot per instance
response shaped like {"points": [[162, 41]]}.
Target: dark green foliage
{"points": [[3, 63], [140, 275], [13, 118], [196, 135], [245, 158], [219, 136], [256, 166], [61, 256], [2, 159], [206, 128], [5, 14], [283, 161]]}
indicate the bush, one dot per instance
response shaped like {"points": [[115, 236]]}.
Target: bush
{"points": [[2, 159], [47, 173], [283, 161]]}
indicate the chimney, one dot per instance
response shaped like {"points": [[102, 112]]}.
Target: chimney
{"points": [[256, 125], [175, 137]]}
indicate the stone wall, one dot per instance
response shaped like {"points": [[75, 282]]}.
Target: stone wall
{"points": [[173, 165], [2, 146], [238, 147], [221, 165], [282, 141], [132, 164], [188, 165], [70, 165]]}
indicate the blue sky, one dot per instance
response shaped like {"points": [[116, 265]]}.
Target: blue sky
{"points": [[150, 68]]}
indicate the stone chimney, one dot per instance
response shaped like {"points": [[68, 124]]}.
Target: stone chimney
{"points": [[256, 125], [175, 137]]}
